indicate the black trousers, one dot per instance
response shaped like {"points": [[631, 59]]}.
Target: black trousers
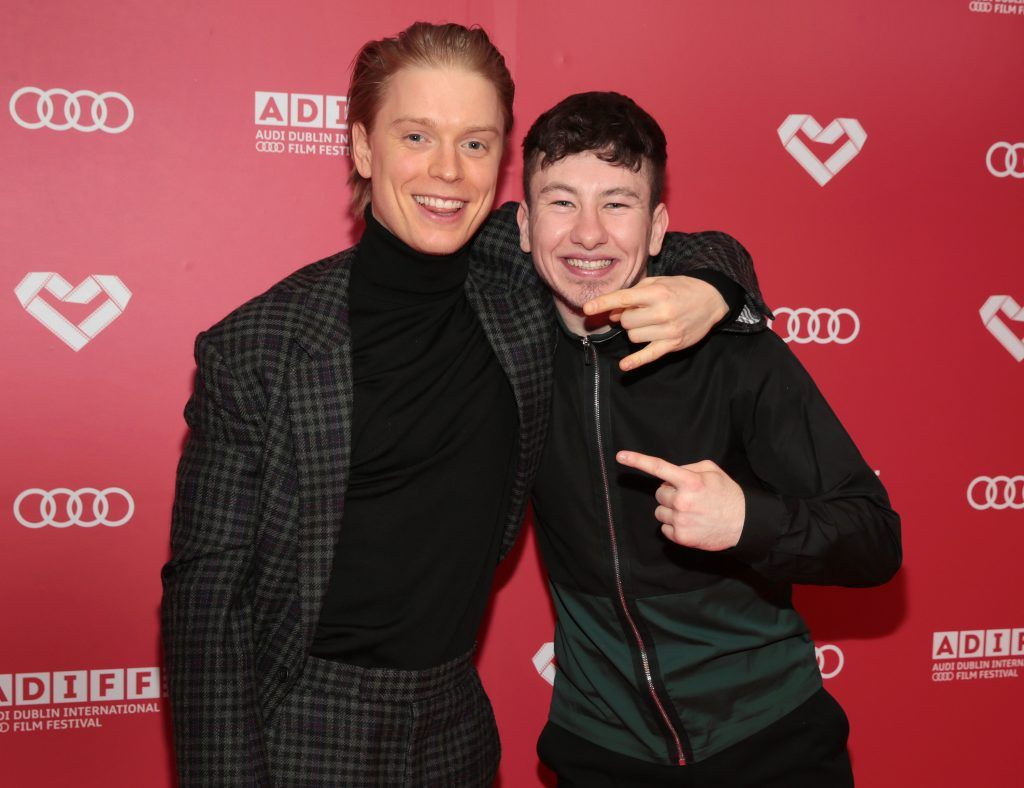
{"points": [[804, 749]]}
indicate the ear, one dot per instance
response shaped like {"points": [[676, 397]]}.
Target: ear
{"points": [[523, 217], [659, 226], [362, 156]]}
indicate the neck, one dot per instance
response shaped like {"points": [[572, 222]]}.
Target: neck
{"points": [[388, 263]]}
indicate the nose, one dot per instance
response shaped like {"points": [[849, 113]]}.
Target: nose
{"points": [[588, 230], [445, 164]]}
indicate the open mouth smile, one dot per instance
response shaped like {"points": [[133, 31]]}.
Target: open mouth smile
{"points": [[588, 265], [439, 206]]}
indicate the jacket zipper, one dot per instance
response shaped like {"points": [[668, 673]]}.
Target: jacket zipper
{"points": [[590, 354]]}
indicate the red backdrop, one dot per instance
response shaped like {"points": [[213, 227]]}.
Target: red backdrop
{"points": [[180, 206]]}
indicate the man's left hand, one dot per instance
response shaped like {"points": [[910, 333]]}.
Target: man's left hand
{"points": [[699, 505], [667, 312]]}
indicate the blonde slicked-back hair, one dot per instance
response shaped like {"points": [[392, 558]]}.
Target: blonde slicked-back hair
{"points": [[423, 45]]}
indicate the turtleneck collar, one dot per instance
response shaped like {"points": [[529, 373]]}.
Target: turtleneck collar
{"points": [[388, 263]]}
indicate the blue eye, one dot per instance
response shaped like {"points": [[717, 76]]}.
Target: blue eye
{"points": [[414, 137], [476, 145]]}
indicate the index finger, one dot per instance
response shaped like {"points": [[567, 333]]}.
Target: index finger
{"points": [[619, 299], [655, 466], [648, 353]]}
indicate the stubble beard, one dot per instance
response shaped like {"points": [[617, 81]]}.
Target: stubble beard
{"points": [[577, 294]]}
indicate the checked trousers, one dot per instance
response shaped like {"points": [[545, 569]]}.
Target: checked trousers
{"points": [[343, 725]]}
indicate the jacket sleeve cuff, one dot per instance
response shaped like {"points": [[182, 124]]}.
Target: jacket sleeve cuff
{"points": [[732, 293], [765, 520]]}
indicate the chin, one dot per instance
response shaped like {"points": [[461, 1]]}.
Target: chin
{"points": [[446, 243], [441, 246]]}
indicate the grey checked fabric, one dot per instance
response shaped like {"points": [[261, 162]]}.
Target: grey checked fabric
{"points": [[261, 494], [348, 726]]}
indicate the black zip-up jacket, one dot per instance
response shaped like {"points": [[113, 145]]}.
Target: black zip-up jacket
{"points": [[671, 654]]}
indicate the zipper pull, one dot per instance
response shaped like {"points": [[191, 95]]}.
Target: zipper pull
{"points": [[586, 351]]}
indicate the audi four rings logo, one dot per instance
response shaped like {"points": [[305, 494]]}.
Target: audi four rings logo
{"points": [[81, 110], [63, 507], [830, 660], [1010, 164], [820, 326], [996, 492]]}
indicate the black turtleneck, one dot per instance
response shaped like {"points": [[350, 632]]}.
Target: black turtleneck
{"points": [[433, 442]]}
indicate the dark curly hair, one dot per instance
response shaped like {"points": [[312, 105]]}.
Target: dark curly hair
{"points": [[609, 125]]}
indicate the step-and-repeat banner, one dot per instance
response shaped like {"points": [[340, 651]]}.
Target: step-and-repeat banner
{"points": [[164, 161]]}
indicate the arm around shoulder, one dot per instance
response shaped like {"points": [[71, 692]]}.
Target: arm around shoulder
{"points": [[697, 254]]}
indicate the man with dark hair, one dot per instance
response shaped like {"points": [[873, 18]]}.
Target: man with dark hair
{"points": [[677, 643]]}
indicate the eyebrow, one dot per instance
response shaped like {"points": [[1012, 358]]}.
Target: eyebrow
{"points": [[622, 191], [431, 123]]}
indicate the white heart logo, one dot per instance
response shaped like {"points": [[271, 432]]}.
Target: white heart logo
{"points": [[544, 662], [822, 172], [76, 337], [994, 322]]}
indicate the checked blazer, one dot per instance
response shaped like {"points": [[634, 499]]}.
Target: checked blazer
{"points": [[261, 484]]}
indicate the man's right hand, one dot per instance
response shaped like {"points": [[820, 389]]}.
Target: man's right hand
{"points": [[699, 505]]}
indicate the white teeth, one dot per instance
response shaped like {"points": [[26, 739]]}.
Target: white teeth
{"points": [[588, 265], [439, 204]]}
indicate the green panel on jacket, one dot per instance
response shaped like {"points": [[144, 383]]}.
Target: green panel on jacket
{"points": [[733, 661]]}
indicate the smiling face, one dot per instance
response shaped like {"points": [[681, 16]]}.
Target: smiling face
{"points": [[590, 229], [432, 156]]}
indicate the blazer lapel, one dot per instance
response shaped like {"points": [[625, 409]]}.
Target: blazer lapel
{"points": [[518, 324], [320, 402]]}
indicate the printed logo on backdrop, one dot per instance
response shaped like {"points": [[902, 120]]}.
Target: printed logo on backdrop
{"points": [[996, 492], [822, 171], [76, 336], [302, 124], [830, 661], [820, 326], [544, 662], [1005, 8], [994, 314], [977, 654], [76, 699], [1006, 160], [80, 110], [87, 507]]}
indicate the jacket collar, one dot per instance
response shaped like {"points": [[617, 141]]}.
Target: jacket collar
{"points": [[324, 325], [496, 263], [497, 266]]}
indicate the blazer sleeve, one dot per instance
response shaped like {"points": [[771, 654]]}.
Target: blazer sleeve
{"points": [[821, 515], [691, 253], [206, 612]]}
